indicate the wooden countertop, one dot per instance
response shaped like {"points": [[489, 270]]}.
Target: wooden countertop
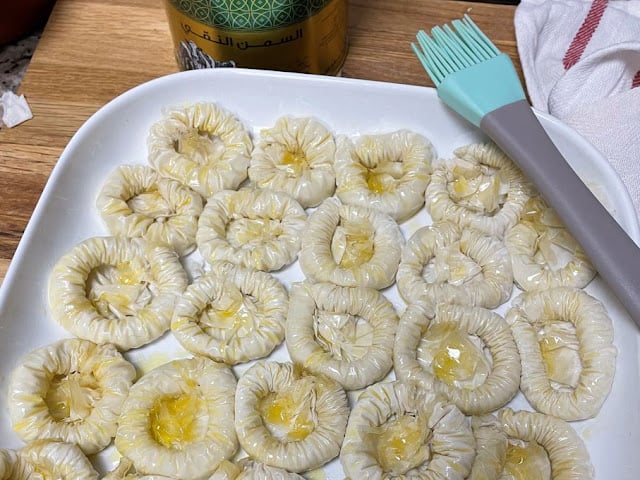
{"points": [[93, 50]]}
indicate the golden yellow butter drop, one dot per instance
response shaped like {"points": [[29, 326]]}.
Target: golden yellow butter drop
{"points": [[295, 162], [401, 444], [173, 420], [457, 359], [285, 411], [527, 462]]}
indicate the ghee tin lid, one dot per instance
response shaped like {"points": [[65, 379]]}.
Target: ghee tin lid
{"points": [[288, 35]]}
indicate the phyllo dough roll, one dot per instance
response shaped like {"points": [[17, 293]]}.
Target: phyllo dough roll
{"points": [[290, 418], [491, 448], [345, 333], [232, 314], [399, 430], [258, 228], [467, 354], [351, 246], [295, 156], [137, 202], [44, 459], [447, 264], [388, 172], [249, 469], [480, 188], [178, 419], [543, 446], [116, 290], [201, 145], [565, 339], [543, 253], [70, 391]]}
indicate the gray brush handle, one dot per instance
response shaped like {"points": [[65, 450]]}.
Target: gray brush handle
{"points": [[517, 131]]}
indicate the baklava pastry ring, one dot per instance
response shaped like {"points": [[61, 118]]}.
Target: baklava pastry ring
{"points": [[46, 459], [258, 228], [399, 430], [178, 419], [290, 418], [70, 391], [387, 172], [232, 314], [249, 469], [295, 156], [447, 264], [543, 446], [491, 447], [125, 471], [467, 354], [116, 290], [345, 333], [137, 202], [202, 146], [10, 465], [480, 188], [544, 254], [350, 246], [565, 339]]}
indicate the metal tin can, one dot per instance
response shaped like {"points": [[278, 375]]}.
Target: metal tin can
{"points": [[287, 35]]}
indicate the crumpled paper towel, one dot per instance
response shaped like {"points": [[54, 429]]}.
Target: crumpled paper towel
{"points": [[14, 109], [581, 63]]}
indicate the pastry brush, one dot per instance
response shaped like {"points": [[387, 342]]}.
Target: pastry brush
{"points": [[480, 83]]}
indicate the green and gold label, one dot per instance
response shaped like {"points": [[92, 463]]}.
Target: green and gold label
{"points": [[292, 35], [249, 15]]}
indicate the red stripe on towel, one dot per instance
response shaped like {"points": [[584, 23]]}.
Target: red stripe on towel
{"points": [[636, 80], [585, 32]]}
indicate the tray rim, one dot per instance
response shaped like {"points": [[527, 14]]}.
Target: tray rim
{"points": [[631, 224], [630, 221]]}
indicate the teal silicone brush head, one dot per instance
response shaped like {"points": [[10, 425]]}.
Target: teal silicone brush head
{"points": [[452, 50], [471, 74]]}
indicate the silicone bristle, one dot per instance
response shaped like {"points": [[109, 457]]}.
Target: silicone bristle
{"points": [[449, 50]]}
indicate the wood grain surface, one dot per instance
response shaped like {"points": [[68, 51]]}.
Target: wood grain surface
{"points": [[93, 50]]}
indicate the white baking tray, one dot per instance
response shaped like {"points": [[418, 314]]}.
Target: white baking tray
{"points": [[116, 134]]}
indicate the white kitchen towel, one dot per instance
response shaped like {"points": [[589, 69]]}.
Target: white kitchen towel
{"points": [[581, 63]]}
